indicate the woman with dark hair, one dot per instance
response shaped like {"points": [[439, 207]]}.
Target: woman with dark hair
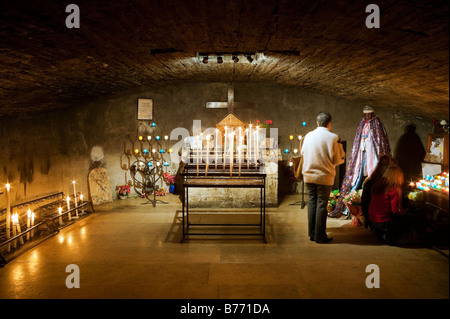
{"points": [[385, 205], [384, 162]]}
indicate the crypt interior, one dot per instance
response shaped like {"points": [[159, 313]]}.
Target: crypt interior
{"points": [[110, 103]]}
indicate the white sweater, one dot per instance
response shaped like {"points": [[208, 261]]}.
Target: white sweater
{"points": [[321, 154]]}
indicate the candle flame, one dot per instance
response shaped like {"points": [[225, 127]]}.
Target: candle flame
{"points": [[8, 187]]}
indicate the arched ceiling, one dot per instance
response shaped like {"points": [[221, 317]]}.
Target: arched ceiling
{"points": [[317, 44]]}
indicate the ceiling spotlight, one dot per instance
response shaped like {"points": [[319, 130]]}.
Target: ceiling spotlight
{"points": [[249, 59], [219, 59], [235, 59], [205, 59]]}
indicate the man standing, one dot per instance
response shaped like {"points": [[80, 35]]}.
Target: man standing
{"points": [[321, 152]]}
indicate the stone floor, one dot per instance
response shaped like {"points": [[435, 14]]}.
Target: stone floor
{"points": [[129, 250]]}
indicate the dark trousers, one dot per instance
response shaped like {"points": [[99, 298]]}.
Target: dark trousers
{"points": [[318, 196], [391, 231]]}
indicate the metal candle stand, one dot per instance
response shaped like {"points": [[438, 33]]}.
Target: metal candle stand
{"points": [[145, 161]]}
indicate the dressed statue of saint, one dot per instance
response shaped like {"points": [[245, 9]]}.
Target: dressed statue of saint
{"points": [[371, 141]]}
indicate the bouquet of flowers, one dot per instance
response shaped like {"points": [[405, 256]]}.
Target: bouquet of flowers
{"points": [[170, 179], [332, 200], [123, 190], [266, 125], [354, 198]]}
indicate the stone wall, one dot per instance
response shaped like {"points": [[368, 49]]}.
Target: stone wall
{"points": [[45, 152]]}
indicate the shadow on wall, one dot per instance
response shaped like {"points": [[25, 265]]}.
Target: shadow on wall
{"points": [[409, 153]]}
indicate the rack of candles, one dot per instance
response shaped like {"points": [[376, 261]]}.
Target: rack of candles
{"points": [[25, 219], [241, 151], [439, 182]]}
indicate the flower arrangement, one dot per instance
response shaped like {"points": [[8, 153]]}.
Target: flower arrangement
{"points": [[266, 125], [354, 198], [170, 179], [333, 199], [123, 190]]}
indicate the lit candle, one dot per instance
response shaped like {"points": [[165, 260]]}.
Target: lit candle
{"points": [[14, 232], [240, 149], [68, 207], [81, 202], [32, 224], [207, 153], [196, 150], [19, 231], [28, 222], [60, 215], [75, 199], [231, 152], [215, 148], [250, 144], [247, 156], [224, 147], [201, 148], [256, 146], [8, 214]]}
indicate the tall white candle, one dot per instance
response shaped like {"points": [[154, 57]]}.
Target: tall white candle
{"points": [[201, 148], [19, 231], [32, 224], [247, 155], [215, 148], [28, 222], [224, 147], [8, 214], [60, 215], [75, 199], [207, 153], [256, 146], [207, 148], [240, 149], [81, 203], [250, 143], [231, 152], [14, 233], [68, 207]]}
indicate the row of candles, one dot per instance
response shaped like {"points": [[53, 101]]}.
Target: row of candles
{"points": [[436, 182], [231, 136], [252, 147], [13, 219]]}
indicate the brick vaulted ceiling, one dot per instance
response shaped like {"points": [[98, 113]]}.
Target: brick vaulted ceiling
{"points": [[320, 45]]}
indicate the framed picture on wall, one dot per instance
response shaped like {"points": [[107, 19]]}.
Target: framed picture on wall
{"points": [[145, 109]]}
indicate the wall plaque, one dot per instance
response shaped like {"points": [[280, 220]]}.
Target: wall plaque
{"points": [[145, 109]]}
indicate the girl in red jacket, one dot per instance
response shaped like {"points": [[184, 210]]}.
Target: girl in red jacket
{"points": [[385, 205]]}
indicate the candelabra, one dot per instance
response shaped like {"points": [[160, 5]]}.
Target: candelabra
{"points": [[145, 159]]}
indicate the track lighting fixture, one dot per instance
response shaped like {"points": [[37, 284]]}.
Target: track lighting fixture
{"points": [[230, 57]]}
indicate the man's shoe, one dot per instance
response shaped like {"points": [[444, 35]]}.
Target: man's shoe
{"points": [[324, 241]]}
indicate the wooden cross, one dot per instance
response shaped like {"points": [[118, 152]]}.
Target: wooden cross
{"points": [[230, 104]]}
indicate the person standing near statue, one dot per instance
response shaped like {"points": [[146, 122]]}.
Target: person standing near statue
{"points": [[371, 142], [322, 152]]}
